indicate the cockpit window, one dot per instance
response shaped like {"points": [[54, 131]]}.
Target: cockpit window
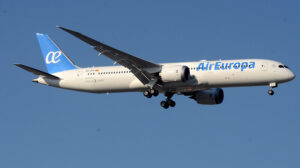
{"points": [[283, 66]]}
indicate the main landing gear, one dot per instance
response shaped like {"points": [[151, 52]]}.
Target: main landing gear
{"points": [[165, 103], [272, 85], [150, 92], [168, 102]]}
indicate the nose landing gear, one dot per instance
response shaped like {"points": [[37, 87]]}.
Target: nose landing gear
{"points": [[272, 85]]}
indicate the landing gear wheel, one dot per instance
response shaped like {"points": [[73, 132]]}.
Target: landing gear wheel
{"points": [[168, 102], [271, 92], [154, 92], [147, 94], [164, 104], [171, 102]]}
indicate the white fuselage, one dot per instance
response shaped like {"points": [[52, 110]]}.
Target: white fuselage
{"points": [[204, 75]]}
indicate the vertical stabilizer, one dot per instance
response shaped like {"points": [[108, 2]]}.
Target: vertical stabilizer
{"points": [[55, 59]]}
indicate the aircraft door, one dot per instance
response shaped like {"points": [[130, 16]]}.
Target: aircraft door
{"points": [[79, 73]]}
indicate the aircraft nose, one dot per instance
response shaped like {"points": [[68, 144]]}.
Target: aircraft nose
{"points": [[291, 75]]}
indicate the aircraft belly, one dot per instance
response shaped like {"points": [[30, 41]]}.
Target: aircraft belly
{"points": [[77, 84]]}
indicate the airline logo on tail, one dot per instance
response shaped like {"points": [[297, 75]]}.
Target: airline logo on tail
{"points": [[53, 57]]}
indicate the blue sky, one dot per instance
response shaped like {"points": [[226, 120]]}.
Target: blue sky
{"points": [[48, 127]]}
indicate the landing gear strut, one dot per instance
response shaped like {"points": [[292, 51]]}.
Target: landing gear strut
{"points": [[168, 102], [270, 91]]}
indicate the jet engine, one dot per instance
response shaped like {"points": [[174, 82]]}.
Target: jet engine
{"points": [[174, 73], [209, 96]]}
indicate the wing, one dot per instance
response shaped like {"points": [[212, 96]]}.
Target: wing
{"points": [[142, 69], [37, 72]]}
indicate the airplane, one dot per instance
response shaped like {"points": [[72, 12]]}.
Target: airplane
{"points": [[201, 81]]}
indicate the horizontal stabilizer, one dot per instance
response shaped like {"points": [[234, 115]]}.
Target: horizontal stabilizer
{"points": [[37, 72]]}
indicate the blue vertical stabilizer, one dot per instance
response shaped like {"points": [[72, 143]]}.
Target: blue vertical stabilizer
{"points": [[55, 59]]}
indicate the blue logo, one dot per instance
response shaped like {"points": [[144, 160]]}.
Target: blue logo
{"points": [[55, 59], [206, 66]]}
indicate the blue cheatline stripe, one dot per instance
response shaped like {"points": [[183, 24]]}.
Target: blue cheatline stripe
{"points": [[55, 59]]}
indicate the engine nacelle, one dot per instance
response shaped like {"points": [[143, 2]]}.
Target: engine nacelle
{"points": [[174, 73], [209, 96]]}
